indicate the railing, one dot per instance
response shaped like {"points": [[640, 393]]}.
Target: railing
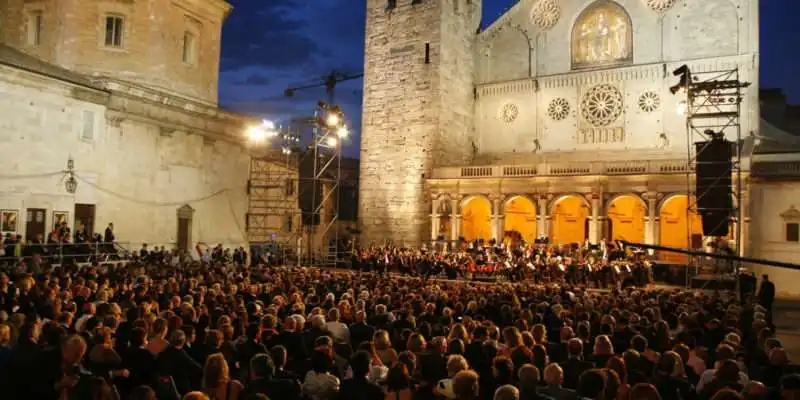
{"points": [[776, 169], [58, 253], [672, 166]]}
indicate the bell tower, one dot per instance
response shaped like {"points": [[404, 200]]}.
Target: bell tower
{"points": [[418, 109]]}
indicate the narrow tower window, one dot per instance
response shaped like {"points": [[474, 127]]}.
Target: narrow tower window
{"points": [[427, 53], [415, 2], [189, 48], [115, 26], [35, 25], [391, 5]]}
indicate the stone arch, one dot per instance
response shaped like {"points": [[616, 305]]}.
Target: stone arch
{"points": [[445, 213], [476, 218], [510, 54], [626, 215], [677, 228], [569, 218], [185, 216], [519, 218], [555, 200], [601, 36]]}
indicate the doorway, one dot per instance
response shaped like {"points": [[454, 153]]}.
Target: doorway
{"points": [[84, 218], [185, 215], [34, 223]]}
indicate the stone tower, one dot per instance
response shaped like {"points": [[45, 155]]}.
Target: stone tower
{"points": [[169, 45], [417, 112]]}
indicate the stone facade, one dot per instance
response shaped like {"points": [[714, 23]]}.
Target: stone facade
{"points": [[527, 65], [152, 152], [173, 46], [136, 162], [418, 109]]}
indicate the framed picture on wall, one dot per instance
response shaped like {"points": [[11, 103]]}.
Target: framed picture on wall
{"points": [[8, 220], [60, 217]]}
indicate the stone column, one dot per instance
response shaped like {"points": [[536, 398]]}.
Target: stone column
{"points": [[455, 220], [650, 233], [542, 230], [595, 223], [435, 228], [497, 220]]}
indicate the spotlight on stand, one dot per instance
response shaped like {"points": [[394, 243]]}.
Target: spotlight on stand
{"points": [[331, 141], [686, 78], [342, 132]]}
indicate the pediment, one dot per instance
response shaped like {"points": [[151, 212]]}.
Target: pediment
{"points": [[792, 214]]}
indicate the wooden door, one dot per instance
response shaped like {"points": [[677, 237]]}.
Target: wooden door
{"points": [[35, 223], [84, 218], [184, 224]]}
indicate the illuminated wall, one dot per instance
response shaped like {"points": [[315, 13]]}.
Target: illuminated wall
{"points": [[569, 221], [520, 217], [674, 227], [477, 219], [626, 216]]}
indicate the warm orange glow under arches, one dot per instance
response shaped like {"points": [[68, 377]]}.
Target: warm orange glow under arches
{"points": [[476, 219], [569, 221], [520, 217]]}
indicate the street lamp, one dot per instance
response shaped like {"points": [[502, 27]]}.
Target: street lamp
{"points": [[70, 183]]}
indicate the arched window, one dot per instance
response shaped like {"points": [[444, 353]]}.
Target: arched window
{"points": [[602, 36]]}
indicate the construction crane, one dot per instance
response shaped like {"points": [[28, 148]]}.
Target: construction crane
{"points": [[328, 81]]}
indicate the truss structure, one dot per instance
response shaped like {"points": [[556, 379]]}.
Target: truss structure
{"points": [[713, 107], [274, 217], [322, 177]]}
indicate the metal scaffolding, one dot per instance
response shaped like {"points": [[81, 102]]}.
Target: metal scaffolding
{"points": [[713, 109], [322, 175], [274, 218]]}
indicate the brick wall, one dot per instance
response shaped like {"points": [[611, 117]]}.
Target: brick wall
{"points": [[417, 114], [151, 53]]}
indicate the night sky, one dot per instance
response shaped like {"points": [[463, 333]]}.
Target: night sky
{"points": [[269, 45]]}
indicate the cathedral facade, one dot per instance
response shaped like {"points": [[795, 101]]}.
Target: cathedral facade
{"points": [[120, 96], [557, 121]]}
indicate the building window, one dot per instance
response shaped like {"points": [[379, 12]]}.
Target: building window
{"points": [[793, 232], [115, 29], [189, 47], [288, 224], [87, 126], [289, 187], [35, 26]]}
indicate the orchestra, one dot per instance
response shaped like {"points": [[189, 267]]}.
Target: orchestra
{"points": [[606, 265]]}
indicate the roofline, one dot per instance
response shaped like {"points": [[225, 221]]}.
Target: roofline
{"points": [[55, 77]]}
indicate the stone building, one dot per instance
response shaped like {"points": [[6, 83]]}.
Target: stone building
{"points": [[128, 91], [557, 121]]}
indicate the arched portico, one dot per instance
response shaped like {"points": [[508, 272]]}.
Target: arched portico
{"points": [[569, 216], [680, 226], [476, 218], [520, 218], [626, 218]]}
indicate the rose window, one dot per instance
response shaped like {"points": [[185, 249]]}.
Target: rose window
{"points": [[660, 5], [545, 14], [558, 109], [649, 101], [601, 105], [509, 113]]}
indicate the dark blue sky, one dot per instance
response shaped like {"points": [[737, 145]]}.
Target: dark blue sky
{"points": [[269, 45]]}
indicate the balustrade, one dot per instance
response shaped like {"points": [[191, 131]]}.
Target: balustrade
{"points": [[634, 167]]}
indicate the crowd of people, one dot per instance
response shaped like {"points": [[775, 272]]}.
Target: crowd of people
{"points": [[222, 330]]}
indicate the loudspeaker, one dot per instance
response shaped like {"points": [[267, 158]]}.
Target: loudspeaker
{"points": [[716, 223], [713, 185]]}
